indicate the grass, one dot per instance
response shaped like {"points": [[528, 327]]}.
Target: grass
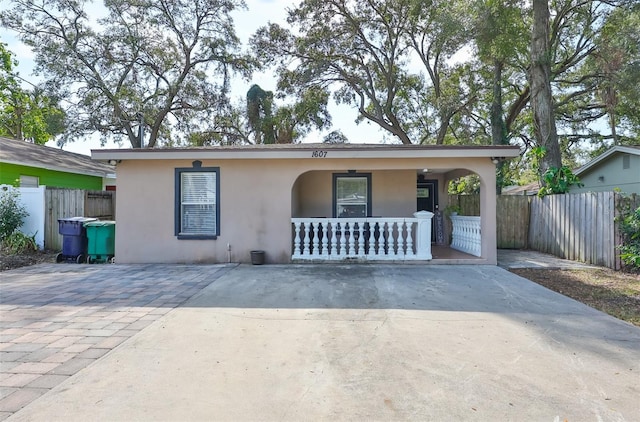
{"points": [[613, 292]]}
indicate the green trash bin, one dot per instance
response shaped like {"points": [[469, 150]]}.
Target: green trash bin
{"points": [[101, 237]]}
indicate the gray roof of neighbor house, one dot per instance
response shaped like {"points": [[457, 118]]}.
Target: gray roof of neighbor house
{"points": [[530, 189], [626, 149], [27, 154]]}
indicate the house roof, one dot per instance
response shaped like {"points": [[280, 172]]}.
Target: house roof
{"points": [[27, 154], [629, 149], [300, 151], [530, 189]]}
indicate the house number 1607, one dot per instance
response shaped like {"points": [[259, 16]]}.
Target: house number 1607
{"points": [[319, 154]]}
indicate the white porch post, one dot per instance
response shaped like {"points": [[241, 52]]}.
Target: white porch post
{"points": [[423, 235]]}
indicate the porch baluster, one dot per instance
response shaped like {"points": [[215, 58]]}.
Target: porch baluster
{"points": [[374, 245], [394, 240], [352, 239], [315, 230], [324, 240], [334, 239], [361, 238], [305, 241], [384, 237], [409, 248], [343, 241], [296, 240]]}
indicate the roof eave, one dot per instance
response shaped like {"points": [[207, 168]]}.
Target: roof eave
{"points": [[605, 155], [96, 173], [302, 153]]}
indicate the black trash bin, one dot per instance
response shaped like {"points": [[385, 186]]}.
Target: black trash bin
{"points": [[74, 239]]}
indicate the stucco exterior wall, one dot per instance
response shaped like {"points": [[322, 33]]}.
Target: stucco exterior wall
{"points": [[393, 193], [614, 176], [257, 199]]}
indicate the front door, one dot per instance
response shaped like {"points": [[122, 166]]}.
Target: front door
{"points": [[427, 198]]}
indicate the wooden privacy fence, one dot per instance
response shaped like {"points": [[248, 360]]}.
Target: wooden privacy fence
{"points": [[580, 226], [66, 203], [513, 217]]}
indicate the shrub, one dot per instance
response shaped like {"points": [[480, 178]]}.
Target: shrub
{"points": [[19, 243], [629, 224], [558, 180], [12, 213]]}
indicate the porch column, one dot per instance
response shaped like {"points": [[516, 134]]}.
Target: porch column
{"points": [[488, 219], [423, 235]]}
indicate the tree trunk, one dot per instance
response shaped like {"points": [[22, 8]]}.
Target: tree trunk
{"points": [[541, 98], [612, 120], [498, 128]]}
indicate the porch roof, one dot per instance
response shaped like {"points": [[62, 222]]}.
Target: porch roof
{"points": [[309, 151]]}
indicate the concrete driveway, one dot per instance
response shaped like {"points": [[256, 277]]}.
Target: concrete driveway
{"points": [[359, 342]]}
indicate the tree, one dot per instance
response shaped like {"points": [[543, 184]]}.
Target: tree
{"points": [[25, 115], [287, 123], [335, 137], [353, 48], [617, 62], [541, 98], [260, 115], [308, 111], [160, 67], [500, 39], [438, 30]]}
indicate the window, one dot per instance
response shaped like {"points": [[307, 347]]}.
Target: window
{"points": [[626, 161], [352, 195], [197, 208], [29, 181]]}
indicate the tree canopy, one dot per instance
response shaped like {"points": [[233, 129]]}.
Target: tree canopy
{"points": [[461, 71], [425, 71], [159, 67], [25, 114]]}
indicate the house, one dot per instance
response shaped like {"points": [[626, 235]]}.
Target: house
{"points": [[530, 189], [30, 165], [299, 202], [617, 168]]}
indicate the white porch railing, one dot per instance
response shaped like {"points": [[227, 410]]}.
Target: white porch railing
{"points": [[363, 238], [466, 235]]}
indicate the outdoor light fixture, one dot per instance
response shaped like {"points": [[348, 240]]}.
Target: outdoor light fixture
{"points": [[600, 178], [495, 160], [425, 170], [114, 162]]}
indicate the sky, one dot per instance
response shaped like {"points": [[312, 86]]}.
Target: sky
{"points": [[258, 13]]}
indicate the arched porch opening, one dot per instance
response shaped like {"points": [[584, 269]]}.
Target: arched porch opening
{"points": [[463, 212], [389, 210]]}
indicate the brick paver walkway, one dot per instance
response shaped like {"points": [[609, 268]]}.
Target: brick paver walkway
{"points": [[55, 319]]}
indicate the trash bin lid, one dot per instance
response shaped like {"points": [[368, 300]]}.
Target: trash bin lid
{"points": [[77, 219], [100, 223]]}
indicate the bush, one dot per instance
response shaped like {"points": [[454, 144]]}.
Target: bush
{"points": [[19, 243], [630, 231], [12, 213]]}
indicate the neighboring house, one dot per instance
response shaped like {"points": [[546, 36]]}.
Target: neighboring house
{"points": [[617, 168], [525, 190], [217, 204], [29, 165]]}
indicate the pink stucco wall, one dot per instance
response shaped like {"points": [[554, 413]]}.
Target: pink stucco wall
{"points": [[259, 196]]}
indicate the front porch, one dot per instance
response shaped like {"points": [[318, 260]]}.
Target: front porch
{"points": [[384, 239]]}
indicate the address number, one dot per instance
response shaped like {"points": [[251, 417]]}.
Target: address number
{"points": [[319, 154]]}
